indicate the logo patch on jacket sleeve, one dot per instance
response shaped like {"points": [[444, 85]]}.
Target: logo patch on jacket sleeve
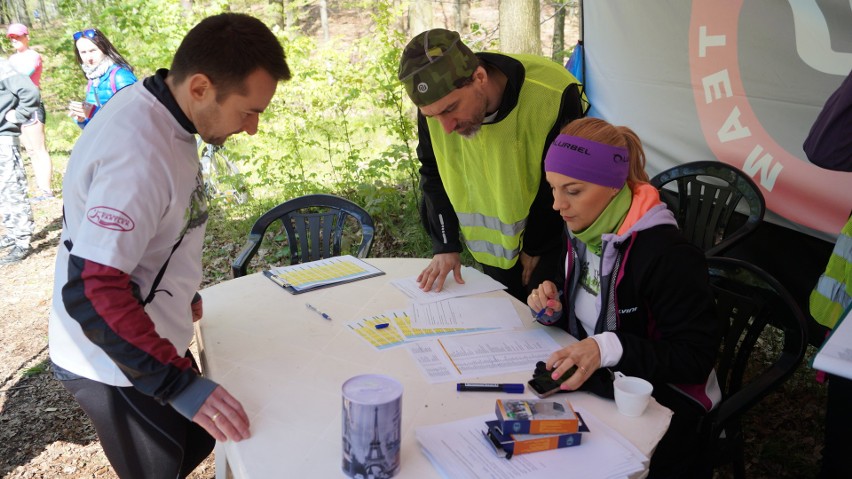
{"points": [[110, 218]]}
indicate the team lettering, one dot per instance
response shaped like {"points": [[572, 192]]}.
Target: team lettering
{"points": [[110, 218], [571, 146]]}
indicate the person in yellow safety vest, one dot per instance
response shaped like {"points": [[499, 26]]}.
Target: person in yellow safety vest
{"points": [[829, 145], [485, 121]]}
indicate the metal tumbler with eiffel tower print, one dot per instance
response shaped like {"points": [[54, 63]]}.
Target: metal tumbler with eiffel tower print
{"points": [[372, 419]]}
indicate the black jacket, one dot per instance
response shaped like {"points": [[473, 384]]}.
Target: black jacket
{"points": [[19, 93], [544, 225], [661, 308]]}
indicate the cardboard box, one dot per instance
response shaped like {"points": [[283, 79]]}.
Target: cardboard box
{"points": [[536, 416], [507, 445]]}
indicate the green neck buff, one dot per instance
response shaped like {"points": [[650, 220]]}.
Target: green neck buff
{"points": [[608, 222]]}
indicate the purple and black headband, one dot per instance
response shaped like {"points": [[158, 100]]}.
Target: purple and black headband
{"points": [[588, 160]]}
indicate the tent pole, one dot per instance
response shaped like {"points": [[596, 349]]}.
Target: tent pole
{"points": [[580, 21]]}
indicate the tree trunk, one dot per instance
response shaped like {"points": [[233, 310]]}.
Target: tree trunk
{"points": [[419, 16], [558, 45], [22, 13], [461, 15], [291, 14], [4, 11], [323, 8], [520, 31]]}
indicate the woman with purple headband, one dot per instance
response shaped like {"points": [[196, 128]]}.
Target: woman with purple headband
{"points": [[636, 293]]}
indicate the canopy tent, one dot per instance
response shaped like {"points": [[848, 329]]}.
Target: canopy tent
{"points": [[734, 81]]}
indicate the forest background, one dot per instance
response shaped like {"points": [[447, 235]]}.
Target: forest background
{"points": [[342, 125]]}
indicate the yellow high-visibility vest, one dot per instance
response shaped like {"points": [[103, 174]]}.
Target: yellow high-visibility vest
{"points": [[833, 291], [492, 178]]}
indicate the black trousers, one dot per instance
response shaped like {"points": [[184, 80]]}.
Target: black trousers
{"points": [[838, 423], [677, 455], [141, 438]]}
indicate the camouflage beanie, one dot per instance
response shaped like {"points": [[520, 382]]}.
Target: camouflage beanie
{"points": [[433, 64]]}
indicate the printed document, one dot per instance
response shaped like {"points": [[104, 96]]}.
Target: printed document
{"points": [[835, 356], [399, 330], [459, 450], [465, 357], [475, 282], [467, 313], [302, 277]]}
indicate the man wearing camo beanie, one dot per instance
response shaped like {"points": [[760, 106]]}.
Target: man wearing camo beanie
{"points": [[486, 182]]}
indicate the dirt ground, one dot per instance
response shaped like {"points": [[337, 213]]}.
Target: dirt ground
{"points": [[43, 433]]}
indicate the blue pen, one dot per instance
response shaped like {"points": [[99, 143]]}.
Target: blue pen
{"points": [[539, 314], [314, 309]]}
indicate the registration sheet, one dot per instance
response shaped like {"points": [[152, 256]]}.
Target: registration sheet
{"points": [[477, 355], [467, 313], [459, 450], [475, 282], [303, 277], [395, 328]]}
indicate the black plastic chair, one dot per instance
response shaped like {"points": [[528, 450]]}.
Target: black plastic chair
{"points": [[314, 227], [704, 199], [764, 342]]}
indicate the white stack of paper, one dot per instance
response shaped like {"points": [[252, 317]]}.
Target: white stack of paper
{"points": [[465, 357], [835, 356], [458, 450], [475, 282]]}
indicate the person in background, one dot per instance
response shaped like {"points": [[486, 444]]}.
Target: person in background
{"points": [[484, 123], [106, 70], [129, 261], [19, 99], [636, 293], [28, 62], [829, 145]]}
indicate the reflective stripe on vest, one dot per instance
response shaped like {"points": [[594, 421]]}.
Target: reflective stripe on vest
{"points": [[473, 220], [493, 177], [497, 251], [489, 225], [833, 292]]}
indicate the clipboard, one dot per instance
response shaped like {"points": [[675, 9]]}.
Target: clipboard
{"points": [[313, 275]]}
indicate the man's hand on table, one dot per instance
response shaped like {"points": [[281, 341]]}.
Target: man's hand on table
{"points": [[436, 273], [223, 417]]}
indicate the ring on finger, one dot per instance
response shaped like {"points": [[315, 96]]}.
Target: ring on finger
{"points": [[585, 371], [215, 416]]}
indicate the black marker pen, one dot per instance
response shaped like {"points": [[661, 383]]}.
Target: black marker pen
{"points": [[491, 387]]}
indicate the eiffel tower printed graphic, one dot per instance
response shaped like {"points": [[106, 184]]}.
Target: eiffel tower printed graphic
{"points": [[381, 458], [375, 463]]}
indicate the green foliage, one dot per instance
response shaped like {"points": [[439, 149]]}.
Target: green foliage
{"points": [[344, 122], [136, 28], [342, 125], [39, 368]]}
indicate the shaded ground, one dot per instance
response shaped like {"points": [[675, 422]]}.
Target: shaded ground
{"points": [[43, 433]]}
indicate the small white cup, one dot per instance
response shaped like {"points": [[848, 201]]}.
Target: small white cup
{"points": [[632, 394]]}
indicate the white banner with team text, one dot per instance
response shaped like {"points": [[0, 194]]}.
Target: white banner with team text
{"points": [[733, 81]]}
